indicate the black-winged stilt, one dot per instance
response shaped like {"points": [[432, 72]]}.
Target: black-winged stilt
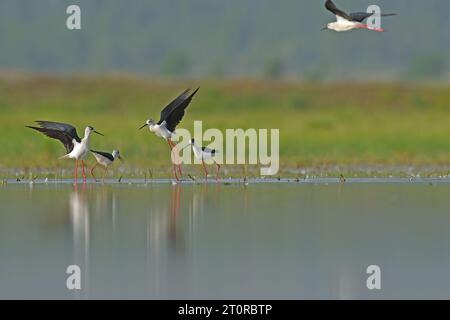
{"points": [[104, 159], [204, 153], [76, 147], [170, 117], [347, 22]]}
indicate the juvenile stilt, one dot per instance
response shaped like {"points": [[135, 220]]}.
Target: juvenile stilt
{"points": [[104, 159], [202, 153]]}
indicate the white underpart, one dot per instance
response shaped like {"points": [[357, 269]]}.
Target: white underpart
{"points": [[202, 154], [342, 24], [161, 130], [80, 149], [102, 160]]}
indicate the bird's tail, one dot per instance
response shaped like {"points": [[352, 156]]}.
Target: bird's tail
{"points": [[64, 157]]}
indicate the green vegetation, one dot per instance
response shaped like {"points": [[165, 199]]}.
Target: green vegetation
{"points": [[320, 124]]}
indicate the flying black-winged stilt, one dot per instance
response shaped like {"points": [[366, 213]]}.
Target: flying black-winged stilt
{"points": [[76, 147], [104, 159], [204, 153], [347, 22], [170, 117]]}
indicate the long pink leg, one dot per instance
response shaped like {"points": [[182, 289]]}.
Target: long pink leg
{"points": [[92, 171], [365, 26], [82, 170], [76, 171], [206, 171], [179, 165], [218, 169], [173, 165]]}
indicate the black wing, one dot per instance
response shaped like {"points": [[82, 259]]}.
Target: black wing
{"points": [[360, 16], [174, 112], [104, 154], [212, 151], [62, 136], [332, 7], [169, 108], [67, 128]]}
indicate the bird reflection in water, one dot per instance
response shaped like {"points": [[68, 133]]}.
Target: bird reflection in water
{"points": [[86, 203], [169, 237], [79, 220], [175, 234], [165, 250]]}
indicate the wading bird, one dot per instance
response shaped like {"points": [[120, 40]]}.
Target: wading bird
{"points": [[104, 159], [170, 117], [346, 22], [204, 153], [76, 147]]}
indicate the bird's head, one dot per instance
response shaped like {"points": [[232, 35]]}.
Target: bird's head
{"points": [[116, 154], [89, 130], [190, 143], [148, 123]]}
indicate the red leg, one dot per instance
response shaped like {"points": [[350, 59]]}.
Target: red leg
{"points": [[82, 170], [206, 171], [76, 171], [218, 169], [365, 26], [173, 165], [92, 171], [179, 165], [173, 146]]}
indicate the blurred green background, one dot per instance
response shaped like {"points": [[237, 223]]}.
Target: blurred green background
{"points": [[350, 99]]}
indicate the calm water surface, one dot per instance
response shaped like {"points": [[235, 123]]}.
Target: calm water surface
{"points": [[286, 241]]}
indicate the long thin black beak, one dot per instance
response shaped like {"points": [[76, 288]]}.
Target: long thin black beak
{"points": [[99, 133], [142, 127]]}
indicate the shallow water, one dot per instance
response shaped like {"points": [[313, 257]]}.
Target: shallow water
{"points": [[264, 240]]}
